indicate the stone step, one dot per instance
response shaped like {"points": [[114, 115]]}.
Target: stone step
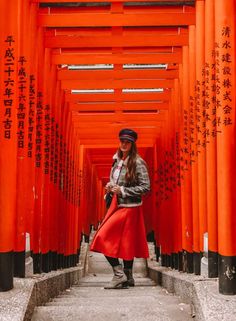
{"points": [[133, 309], [91, 302], [95, 280], [105, 296]]}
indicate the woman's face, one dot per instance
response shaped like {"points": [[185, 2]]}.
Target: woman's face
{"points": [[125, 146]]}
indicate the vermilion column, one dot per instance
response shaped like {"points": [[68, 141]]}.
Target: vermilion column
{"points": [[186, 178], [210, 104], [176, 177], [160, 199], [200, 121], [57, 177], [226, 142], [45, 164], [22, 142], [9, 44], [39, 177], [155, 200], [193, 148], [31, 121], [54, 163], [174, 191]]}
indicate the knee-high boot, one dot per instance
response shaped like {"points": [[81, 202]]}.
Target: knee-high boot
{"points": [[119, 280]]}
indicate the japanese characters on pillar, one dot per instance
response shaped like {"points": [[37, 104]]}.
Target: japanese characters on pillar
{"points": [[185, 147], [39, 130], [177, 151], [47, 137], [207, 73], [224, 78], [198, 114], [192, 129], [31, 115], [52, 149], [9, 84], [21, 110], [56, 155], [60, 181]]}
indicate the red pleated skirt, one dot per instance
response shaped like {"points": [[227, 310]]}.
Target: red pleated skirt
{"points": [[122, 233]]}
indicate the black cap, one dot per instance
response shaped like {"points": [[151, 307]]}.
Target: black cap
{"points": [[128, 134]]}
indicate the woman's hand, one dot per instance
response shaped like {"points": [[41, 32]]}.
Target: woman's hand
{"points": [[116, 189], [108, 187]]}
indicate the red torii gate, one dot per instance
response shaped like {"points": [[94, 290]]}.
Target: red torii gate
{"points": [[60, 143]]}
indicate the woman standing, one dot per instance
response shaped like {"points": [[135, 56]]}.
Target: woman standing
{"points": [[122, 232]]}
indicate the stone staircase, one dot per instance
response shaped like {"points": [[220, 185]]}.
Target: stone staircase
{"points": [[89, 301]]}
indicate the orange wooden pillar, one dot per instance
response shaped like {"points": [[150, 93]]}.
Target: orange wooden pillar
{"points": [[74, 226], [54, 168], [176, 177], [82, 217], [77, 221], [22, 142], [164, 205], [193, 147], [58, 178], [68, 172], [39, 177], [186, 177], [167, 213], [31, 139], [45, 165], [211, 171], [9, 40], [226, 142], [159, 195], [174, 208], [201, 125], [155, 201], [62, 187]]}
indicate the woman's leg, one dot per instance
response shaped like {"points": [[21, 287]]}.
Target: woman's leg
{"points": [[119, 280], [113, 261], [128, 264], [128, 270]]}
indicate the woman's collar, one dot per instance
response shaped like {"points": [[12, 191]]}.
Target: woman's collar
{"points": [[115, 156]]}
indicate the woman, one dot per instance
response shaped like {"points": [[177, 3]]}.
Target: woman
{"points": [[122, 232]]}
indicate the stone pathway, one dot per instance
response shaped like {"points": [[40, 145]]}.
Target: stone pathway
{"points": [[89, 301]]}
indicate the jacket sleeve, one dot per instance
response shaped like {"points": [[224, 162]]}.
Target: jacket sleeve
{"points": [[143, 181]]}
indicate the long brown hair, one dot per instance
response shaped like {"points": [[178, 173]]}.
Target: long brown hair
{"points": [[131, 164]]}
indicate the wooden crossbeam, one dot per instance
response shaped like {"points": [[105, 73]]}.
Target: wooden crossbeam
{"points": [[83, 41], [117, 84], [117, 125], [108, 31], [112, 97], [87, 1], [82, 59], [119, 106], [116, 19], [125, 50], [79, 75], [114, 132], [115, 117], [109, 142]]}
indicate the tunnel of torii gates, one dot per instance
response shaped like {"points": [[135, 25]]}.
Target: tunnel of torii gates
{"points": [[72, 74]]}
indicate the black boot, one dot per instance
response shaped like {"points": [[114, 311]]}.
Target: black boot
{"points": [[129, 274]]}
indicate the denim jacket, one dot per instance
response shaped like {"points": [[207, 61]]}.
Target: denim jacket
{"points": [[131, 194]]}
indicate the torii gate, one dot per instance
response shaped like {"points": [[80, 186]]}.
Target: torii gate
{"points": [[72, 74]]}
